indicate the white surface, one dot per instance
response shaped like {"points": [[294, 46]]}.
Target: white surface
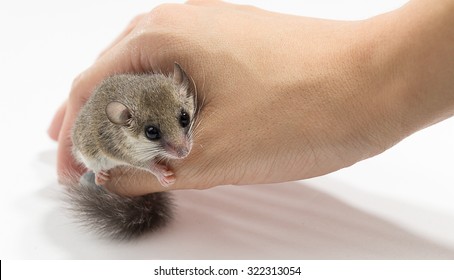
{"points": [[396, 205]]}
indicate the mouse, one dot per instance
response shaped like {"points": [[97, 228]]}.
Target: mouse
{"points": [[136, 120]]}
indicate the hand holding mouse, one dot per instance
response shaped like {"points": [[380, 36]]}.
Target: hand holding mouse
{"points": [[284, 97]]}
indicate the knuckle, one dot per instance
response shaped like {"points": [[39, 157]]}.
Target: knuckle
{"points": [[137, 19], [248, 8], [163, 14], [77, 95], [165, 25], [198, 2], [162, 34], [76, 80], [205, 2]]}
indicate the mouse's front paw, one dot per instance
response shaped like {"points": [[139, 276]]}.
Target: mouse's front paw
{"points": [[166, 180], [165, 176], [102, 177]]}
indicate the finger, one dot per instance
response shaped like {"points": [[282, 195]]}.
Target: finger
{"points": [[132, 24], [55, 126], [67, 166], [135, 182]]}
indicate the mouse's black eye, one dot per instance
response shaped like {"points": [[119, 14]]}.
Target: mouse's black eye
{"points": [[184, 119], [152, 133]]}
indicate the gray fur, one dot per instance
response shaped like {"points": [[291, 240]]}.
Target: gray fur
{"points": [[114, 216], [104, 137], [152, 99]]}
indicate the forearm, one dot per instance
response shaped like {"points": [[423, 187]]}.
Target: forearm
{"points": [[385, 78], [422, 38]]}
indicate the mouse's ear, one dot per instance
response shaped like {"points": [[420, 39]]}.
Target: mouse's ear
{"points": [[118, 113], [180, 77]]}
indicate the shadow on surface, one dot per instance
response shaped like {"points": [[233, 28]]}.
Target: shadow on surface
{"points": [[282, 221]]}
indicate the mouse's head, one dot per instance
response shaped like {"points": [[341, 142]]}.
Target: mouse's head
{"points": [[157, 114]]}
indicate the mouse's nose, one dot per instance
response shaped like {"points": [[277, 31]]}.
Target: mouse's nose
{"points": [[177, 150], [182, 151]]}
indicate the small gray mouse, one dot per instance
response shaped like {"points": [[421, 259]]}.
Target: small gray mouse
{"points": [[135, 120]]}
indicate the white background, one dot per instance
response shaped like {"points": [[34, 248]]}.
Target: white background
{"points": [[396, 205]]}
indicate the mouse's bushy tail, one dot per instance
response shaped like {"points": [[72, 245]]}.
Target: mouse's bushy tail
{"points": [[116, 216]]}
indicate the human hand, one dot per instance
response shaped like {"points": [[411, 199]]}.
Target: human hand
{"points": [[284, 97]]}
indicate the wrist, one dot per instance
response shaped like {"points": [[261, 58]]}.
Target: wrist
{"points": [[417, 46]]}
